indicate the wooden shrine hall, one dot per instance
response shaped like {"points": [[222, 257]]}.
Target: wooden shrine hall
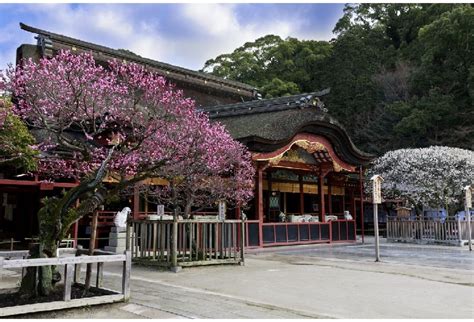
{"points": [[309, 173]]}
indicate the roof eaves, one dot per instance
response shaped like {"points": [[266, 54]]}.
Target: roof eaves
{"points": [[153, 63], [268, 105]]}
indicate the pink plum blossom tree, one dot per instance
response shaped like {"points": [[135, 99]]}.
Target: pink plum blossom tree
{"points": [[122, 121], [217, 168]]}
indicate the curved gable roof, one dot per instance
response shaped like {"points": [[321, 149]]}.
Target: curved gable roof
{"points": [[266, 125]]}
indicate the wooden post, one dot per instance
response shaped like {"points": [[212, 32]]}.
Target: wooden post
{"points": [[100, 275], [68, 276], [77, 268], [467, 214], [237, 214], [322, 210], [242, 243], [95, 216], [353, 207], [343, 205], [376, 200], [155, 238], [76, 232], [174, 244], [300, 179], [260, 204], [127, 267], [128, 234], [136, 202], [146, 203], [329, 197], [361, 188], [269, 194]]}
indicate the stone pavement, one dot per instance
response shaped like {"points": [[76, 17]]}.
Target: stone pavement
{"points": [[317, 281]]}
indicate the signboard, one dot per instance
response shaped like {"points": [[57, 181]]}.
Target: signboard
{"points": [[222, 209], [160, 210], [468, 190], [377, 189]]}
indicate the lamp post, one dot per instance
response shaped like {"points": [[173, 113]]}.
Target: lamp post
{"points": [[467, 205], [376, 200]]}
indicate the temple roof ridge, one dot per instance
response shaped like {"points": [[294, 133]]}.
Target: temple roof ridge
{"points": [[246, 89], [298, 101]]}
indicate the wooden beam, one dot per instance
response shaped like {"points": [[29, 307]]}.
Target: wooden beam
{"points": [[11, 182], [56, 261]]}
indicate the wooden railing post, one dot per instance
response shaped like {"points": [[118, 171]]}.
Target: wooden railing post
{"points": [[100, 275], [77, 267], [459, 231], [68, 276], [242, 242], [127, 235], [174, 245], [127, 267]]}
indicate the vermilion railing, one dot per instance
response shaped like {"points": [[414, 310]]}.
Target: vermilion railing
{"points": [[276, 234]]}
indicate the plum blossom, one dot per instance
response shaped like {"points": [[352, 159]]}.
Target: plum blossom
{"points": [[433, 176], [86, 112]]}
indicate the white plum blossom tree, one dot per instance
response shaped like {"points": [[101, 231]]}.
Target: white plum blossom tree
{"points": [[432, 177]]}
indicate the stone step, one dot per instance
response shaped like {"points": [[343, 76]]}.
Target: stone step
{"points": [[120, 235], [117, 242]]}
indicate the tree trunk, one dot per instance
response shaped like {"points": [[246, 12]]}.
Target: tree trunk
{"points": [[40, 281], [55, 218], [92, 240]]}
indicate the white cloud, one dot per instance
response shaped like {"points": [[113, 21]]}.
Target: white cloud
{"points": [[213, 19], [221, 32], [204, 31], [112, 26]]}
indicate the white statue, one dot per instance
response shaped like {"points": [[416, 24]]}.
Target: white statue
{"points": [[120, 219], [347, 215]]}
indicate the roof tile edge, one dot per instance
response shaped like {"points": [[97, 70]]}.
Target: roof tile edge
{"points": [[244, 88]]}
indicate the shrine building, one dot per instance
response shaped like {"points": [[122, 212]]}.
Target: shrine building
{"points": [[308, 184]]}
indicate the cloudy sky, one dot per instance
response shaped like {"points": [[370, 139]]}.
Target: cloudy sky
{"points": [[181, 34]]}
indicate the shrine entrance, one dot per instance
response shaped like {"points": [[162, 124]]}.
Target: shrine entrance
{"points": [[305, 193]]}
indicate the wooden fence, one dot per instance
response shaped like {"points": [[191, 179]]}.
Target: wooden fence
{"points": [[452, 232], [71, 275], [186, 242]]}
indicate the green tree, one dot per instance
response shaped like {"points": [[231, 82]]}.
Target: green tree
{"points": [[442, 84], [419, 57], [15, 140], [401, 75], [358, 54], [275, 66]]}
